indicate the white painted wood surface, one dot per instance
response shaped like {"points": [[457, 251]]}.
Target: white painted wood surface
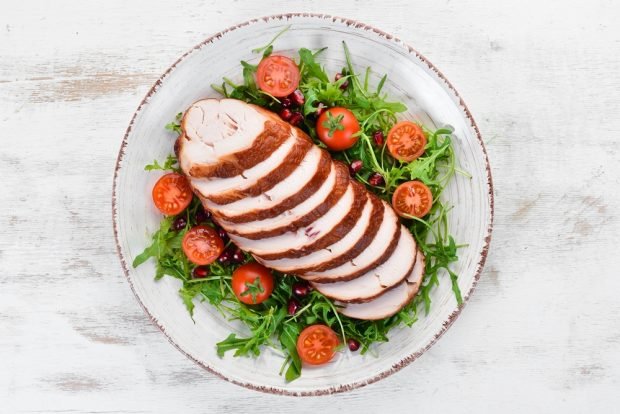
{"points": [[542, 332]]}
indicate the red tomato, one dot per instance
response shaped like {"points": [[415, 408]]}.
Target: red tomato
{"points": [[336, 127], [252, 283], [277, 75], [202, 245], [317, 344], [412, 198], [406, 141], [172, 194]]}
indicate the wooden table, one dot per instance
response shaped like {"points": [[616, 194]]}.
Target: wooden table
{"points": [[542, 332]]}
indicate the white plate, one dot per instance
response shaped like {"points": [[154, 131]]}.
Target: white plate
{"points": [[411, 79]]}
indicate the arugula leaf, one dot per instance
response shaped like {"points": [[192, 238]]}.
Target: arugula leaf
{"points": [[169, 165], [175, 126], [269, 46], [159, 244], [188, 293], [310, 68], [288, 338]]}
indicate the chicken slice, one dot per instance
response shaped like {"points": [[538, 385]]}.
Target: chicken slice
{"points": [[392, 301]]}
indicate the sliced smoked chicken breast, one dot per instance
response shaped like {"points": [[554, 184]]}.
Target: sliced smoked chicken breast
{"points": [[222, 138], [378, 279], [391, 301], [258, 179], [375, 254], [303, 214], [303, 181], [283, 199], [356, 240], [324, 231]]}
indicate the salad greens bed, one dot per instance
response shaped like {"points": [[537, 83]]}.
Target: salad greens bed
{"points": [[269, 323]]}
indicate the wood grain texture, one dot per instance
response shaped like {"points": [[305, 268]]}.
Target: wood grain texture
{"points": [[542, 331]]}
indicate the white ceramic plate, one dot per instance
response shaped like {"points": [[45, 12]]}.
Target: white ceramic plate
{"points": [[411, 79]]}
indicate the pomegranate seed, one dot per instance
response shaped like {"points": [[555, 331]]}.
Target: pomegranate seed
{"points": [[345, 84], [237, 256], [321, 107], [301, 289], [179, 223], [376, 179], [378, 138], [286, 114], [200, 272], [202, 215], [222, 233], [224, 257], [286, 102], [353, 344], [296, 118], [293, 306], [297, 97], [355, 167]]}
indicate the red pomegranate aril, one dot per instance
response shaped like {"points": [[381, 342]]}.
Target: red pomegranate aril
{"points": [[355, 167], [376, 179], [296, 118], [237, 256], [297, 97], [353, 344], [293, 306], [224, 257], [222, 233], [301, 289], [179, 223], [286, 114], [345, 84], [286, 102], [200, 272], [202, 215], [379, 138]]}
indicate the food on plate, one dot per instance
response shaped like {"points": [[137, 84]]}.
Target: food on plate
{"points": [[252, 283], [307, 207], [277, 75], [317, 344], [202, 245], [338, 128], [406, 141], [412, 199], [220, 135], [172, 194]]}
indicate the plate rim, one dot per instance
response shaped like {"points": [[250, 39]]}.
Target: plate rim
{"points": [[447, 322]]}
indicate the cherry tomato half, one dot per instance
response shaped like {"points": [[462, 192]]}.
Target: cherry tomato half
{"points": [[406, 141], [277, 75], [252, 283], [202, 245], [336, 127], [412, 198], [317, 344], [172, 194]]}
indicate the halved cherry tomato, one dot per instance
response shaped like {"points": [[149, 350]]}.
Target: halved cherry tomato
{"points": [[336, 127], [317, 344], [406, 141], [252, 283], [412, 198], [277, 75], [172, 194], [202, 245]]}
